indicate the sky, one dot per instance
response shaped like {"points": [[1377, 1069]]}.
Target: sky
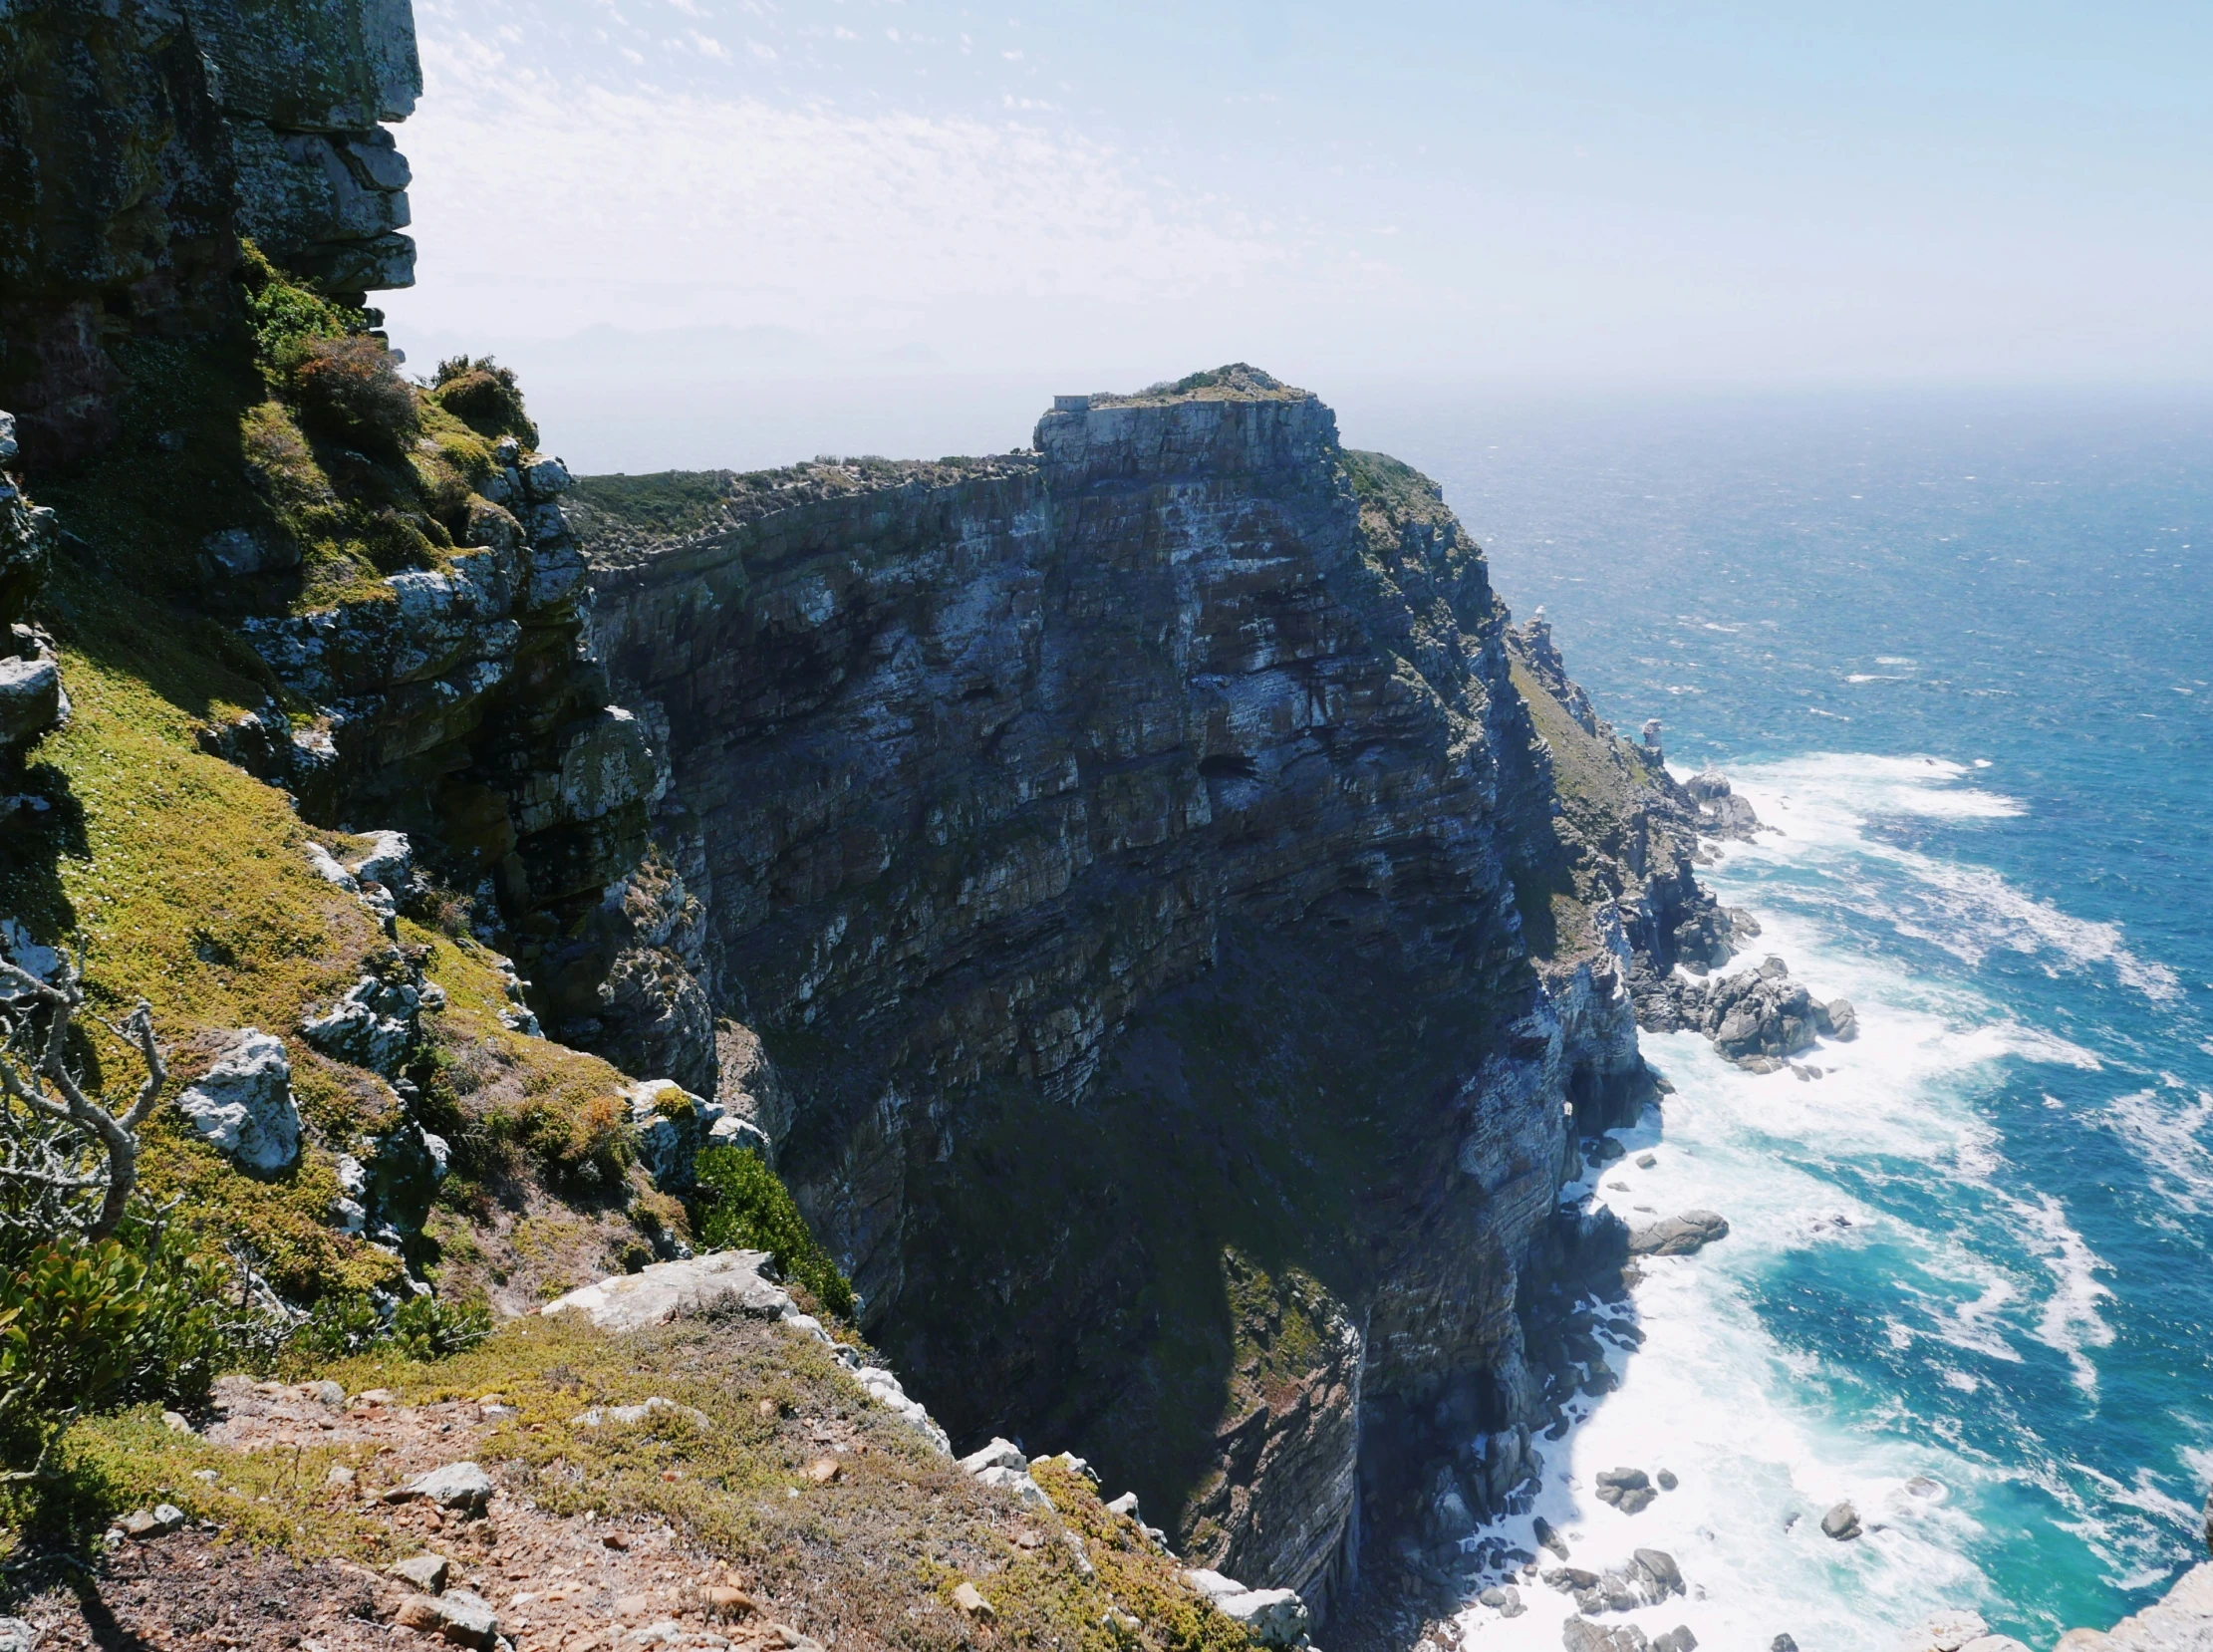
{"points": [[858, 199]]}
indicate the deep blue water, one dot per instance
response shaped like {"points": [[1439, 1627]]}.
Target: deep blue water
{"points": [[1960, 649]]}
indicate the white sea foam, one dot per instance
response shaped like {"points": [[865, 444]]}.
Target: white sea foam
{"points": [[1765, 1435], [1821, 806], [2070, 1320], [2167, 1127], [1746, 1423]]}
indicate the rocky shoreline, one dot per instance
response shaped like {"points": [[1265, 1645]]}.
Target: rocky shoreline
{"points": [[1765, 1022]]}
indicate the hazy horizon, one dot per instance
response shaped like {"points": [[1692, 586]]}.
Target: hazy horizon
{"points": [[714, 194]]}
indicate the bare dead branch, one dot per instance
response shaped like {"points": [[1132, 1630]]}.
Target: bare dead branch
{"points": [[72, 1144]]}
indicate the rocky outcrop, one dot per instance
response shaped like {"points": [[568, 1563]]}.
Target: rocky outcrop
{"points": [[1721, 812], [1679, 1235], [1759, 1019], [243, 1104], [1626, 841], [33, 703], [452, 704], [2181, 1620], [730, 1281], [139, 140], [304, 90], [1142, 859]]}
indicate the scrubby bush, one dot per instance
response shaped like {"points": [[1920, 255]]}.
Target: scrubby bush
{"points": [[425, 1328], [421, 1328], [102, 1303], [741, 1205], [349, 388], [88, 1324], [284, 316], [485, 397]]}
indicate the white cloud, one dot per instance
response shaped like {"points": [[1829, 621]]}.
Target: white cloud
{"points": [[575, 204]]}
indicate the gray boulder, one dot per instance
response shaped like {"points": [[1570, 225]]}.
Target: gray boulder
{"points": [[1579, 1634], [371, 1026], [1659, 1567], [245, 1106], [31, 700], [1628, 1490], [1271, 1617], [462, 1486], [1678, 1236], [1648, 1579], [387, 859], [425, 1571], [725, 1281], [459, 1616], [1842, 1522], [1677, 1639], [1004, 1454], [1503, 1598], [544, 478]]}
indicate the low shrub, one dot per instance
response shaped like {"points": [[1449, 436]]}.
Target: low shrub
{"points": [[485, 397], [349, 388], [90, 1324], [424, 1328], [741, 1205], [421, 1328]]}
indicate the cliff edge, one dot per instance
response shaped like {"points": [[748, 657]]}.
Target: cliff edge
{"points": [[1147, 860]]}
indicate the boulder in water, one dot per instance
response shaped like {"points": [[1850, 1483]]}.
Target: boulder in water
{"points": [[1628, 1490], [1679, 1235]]}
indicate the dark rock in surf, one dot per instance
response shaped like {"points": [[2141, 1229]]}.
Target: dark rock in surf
{"points": [[1628, 1490]]}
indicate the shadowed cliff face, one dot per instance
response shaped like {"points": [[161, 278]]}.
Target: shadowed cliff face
{"points": [[1117, 846], [139, 139]]}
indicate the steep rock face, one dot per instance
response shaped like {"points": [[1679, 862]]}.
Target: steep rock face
{"points": [[453, 703], [1117, 848], [139, 139], [303, 88]]}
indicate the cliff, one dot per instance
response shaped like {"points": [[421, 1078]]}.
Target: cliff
{"points": [[1167, 926], [139, 140], [1142, 861]]}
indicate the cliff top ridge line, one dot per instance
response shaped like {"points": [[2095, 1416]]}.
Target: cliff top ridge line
{"points": [[1230, 421]]}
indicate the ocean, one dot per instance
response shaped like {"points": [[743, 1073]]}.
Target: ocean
{"points": [[1954, 648]]}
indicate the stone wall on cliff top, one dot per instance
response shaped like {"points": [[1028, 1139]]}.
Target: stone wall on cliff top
{"points": [[1117, 848], [139, 138]]}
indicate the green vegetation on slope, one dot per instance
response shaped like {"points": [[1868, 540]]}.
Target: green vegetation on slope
{"points": [[743, 1206], [182, 878], [875, 1549]]}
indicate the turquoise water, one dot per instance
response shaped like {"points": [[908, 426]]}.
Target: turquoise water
{"points": [[1958, 650]]}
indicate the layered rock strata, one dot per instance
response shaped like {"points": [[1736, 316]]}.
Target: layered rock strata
{"points": [[139, 140], [1156, 869]]}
